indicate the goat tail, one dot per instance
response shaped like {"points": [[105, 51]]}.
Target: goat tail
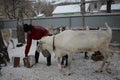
{"points": [[108, 29]]}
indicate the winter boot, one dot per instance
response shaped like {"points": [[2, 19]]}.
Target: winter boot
{"points": [[36, 56], [49, 60]]}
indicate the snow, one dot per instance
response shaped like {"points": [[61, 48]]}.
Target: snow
{"points": [[39, 15], [82, 69], [69, 8], [113, 7], [63, 1]]}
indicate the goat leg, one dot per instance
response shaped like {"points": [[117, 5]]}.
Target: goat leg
{"points": [[12, 43], [101, 69], [86, 56], [59, 65], [107, 68]]}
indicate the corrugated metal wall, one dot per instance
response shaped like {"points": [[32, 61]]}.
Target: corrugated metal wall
{"points": [[94, 20]]}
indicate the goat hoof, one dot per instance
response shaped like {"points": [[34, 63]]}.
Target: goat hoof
{"points": [[60, 67], [67, 74], [99, 71], [86, 57], [0, 74], [108, 71], [64, 66]]}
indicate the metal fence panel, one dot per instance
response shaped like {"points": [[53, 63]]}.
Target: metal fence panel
{"points": [[95, 20], [99, 20]]}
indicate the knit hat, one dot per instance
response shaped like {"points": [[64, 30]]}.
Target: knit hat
{"points": [[26, 27]]}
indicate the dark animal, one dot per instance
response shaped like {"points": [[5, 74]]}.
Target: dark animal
{"points": [[4, 56]]}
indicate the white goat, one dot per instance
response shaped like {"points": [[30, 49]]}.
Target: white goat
{"points": [[70, 41], [7, 36]]}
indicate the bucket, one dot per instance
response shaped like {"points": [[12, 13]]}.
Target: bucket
{"points": [[29, 61], [46, 53], [26, 62], [16, 61]]}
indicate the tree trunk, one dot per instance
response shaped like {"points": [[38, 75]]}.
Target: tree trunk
{"points": [[20, 31], [109, 6], [83, 12]]}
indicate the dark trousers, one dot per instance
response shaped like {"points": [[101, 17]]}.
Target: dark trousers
{"points": [[37, 58]]}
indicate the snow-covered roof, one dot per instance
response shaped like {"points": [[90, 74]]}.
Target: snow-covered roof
{"points": [[68, 9], [39, 15], [113, 7], [65, 1]]}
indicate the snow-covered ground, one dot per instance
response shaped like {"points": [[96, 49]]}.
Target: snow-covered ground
{"points": [[81, 69]]}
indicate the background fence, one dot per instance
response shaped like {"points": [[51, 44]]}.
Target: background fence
{"points": [[94, 21]]}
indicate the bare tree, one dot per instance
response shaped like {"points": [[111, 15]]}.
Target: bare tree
{"points": [[17, 9], [43, 7], [20, 32], [47, 8], [9, 8]]}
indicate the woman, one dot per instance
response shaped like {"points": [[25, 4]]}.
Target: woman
{"points": [[35, 33]]}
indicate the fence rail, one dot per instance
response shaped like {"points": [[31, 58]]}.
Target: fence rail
{"points": [[91, 20]]}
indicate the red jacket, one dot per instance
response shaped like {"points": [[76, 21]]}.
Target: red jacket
{"points": [[37, 33]]}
